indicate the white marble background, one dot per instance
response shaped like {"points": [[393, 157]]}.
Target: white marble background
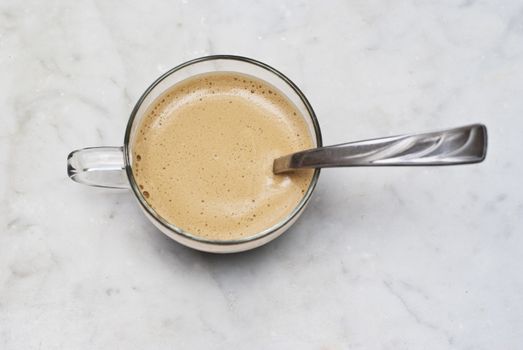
{"points": [[425, 258]]}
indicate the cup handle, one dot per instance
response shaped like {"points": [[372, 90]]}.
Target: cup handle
{"points": [[98, 166]]}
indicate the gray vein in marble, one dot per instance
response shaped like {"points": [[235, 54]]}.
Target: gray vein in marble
{"points": [[412, 312]]}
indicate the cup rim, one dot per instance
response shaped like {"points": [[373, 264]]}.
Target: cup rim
{"points": [[179, 231]]}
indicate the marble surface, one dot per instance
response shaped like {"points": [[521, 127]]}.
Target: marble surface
{"points": [[403, 258]]}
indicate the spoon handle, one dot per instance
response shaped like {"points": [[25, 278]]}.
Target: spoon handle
{"points": [[461, 145]]}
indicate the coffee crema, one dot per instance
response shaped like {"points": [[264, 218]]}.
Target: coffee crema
{"points": [[203, 155]]}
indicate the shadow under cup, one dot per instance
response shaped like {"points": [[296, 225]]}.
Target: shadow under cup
{"points": [[112, 166]]}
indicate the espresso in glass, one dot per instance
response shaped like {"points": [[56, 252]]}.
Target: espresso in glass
{"points": [[203, 155]]}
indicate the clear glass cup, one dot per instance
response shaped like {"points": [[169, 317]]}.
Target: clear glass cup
{"points": [[111, 167]]}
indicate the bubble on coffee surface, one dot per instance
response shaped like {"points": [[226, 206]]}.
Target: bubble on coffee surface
{"points": [[204, 152]]}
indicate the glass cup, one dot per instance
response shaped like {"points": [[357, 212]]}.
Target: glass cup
{"points": [[111, 167]]}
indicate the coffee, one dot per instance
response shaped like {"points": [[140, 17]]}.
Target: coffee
{"points": [[203, 155]]}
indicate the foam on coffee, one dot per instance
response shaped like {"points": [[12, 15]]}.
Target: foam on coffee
{"points": [[203, 155]]}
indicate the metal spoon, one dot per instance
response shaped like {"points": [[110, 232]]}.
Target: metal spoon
{"points": [[462, 145]]}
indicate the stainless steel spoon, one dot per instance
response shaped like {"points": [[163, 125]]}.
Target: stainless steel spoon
{"points": [[462, 145]]}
